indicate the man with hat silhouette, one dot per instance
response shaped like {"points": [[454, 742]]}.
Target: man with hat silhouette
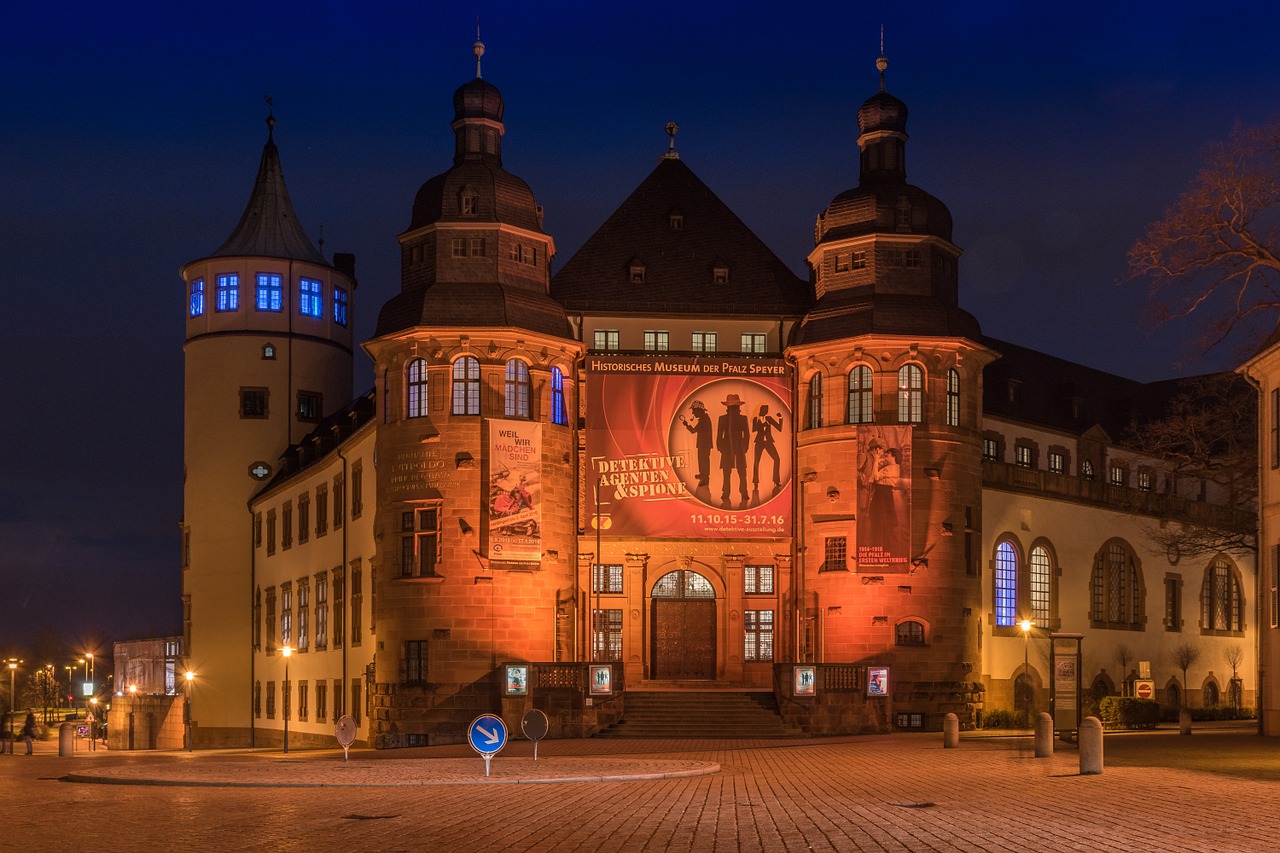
{"points": [[701, 428], [731, 440]]}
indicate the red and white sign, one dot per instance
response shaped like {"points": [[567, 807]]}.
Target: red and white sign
{"points": [[1144, 689]]}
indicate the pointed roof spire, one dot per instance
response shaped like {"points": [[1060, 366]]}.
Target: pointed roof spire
{"points": [[478, 48], [882, 61], [269, 227]]}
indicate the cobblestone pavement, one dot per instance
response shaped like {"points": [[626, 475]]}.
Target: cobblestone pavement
{"points": [[1214, 791]]}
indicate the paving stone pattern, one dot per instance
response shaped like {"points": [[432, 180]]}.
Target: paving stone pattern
{"points": [[1210, 792]]}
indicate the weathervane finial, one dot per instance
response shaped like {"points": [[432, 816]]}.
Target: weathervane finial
{"points": [[271, 118], [478, 47], [882, 61]]}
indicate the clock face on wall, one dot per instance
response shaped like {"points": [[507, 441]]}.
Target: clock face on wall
{"points": [[259, 470]]}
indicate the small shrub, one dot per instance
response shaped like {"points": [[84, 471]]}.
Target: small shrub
{"points": [[1126, 712], [1001, 719]]}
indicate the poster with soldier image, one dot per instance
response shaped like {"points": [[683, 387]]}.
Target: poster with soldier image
{"points": [[884, 498], [690, 446]]}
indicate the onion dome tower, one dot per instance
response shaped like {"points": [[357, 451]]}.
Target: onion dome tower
{"points": [[476, 372], [267, 355], [888, 363]]}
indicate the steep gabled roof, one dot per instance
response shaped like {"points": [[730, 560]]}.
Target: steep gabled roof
{"points": [[269, 228], [679, 232]]}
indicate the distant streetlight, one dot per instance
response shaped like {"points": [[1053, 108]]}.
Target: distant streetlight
{"points": [[1025, 625], [186, 709], [13, 668], [89, 655], [286, 651]]}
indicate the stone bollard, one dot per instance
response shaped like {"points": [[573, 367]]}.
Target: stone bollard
{"points": [[1184, 721], [66, 739], [1044, 736], [1090, 746], [950, 732]]}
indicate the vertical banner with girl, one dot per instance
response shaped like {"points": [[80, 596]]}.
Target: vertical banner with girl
{"points": [[884, 498], [515, 492]]}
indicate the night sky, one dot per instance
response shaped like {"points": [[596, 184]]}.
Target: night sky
{"points": [[129, 141]]}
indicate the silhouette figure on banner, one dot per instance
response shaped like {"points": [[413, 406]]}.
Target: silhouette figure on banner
{"points": [[701, 428], [763, 425], [731, 440]]}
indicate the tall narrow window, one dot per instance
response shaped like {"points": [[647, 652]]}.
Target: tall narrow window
{"points": [[1221, 599], [228, 297], [953, 397], [416, 382], [197, 297], [606, 634], [322, 611], [466, 386], [758, 635], [910, 394], [310, 298], [517, 389], [559, 414], [304, 616], [1006, 584], [1116, 588], [815, 401], [340, 306], [860, 395], [415, 661], [269, 295], [1041, 580]]}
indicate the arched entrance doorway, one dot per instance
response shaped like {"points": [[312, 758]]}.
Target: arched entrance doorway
{"points": [[683, 627]]}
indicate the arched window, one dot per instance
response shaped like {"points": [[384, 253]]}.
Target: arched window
{"points": [[1006, 585], [1041, 585], [559, 414], [815, 401], [910, 394], [909, 633], [1173, 696], [860, 397], [1116, 591], [953, 397], [1210, 694], [466, 386], [416, 381], [197, 297], [1221, 598], [518, 389]]}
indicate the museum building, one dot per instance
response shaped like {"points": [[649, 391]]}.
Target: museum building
{"points": [[672, 466]]}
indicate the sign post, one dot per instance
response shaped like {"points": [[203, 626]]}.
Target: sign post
{"points": [[535, 726], [487, 735], [1064, 687]]}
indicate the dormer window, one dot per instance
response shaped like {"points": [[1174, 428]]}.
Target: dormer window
{"points": [[676, 222], [902, 217], [842, 263], [720, 274], [269, 352], [858, 260], [636, 272], [468, 202]]}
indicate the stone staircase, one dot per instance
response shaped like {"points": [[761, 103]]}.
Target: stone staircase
{"points": [[688, 713]]}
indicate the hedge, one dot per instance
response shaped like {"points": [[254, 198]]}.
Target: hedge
{"points": [[1127, 712]]}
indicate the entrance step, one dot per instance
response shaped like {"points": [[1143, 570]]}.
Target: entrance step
{"points": [[701, 714]]}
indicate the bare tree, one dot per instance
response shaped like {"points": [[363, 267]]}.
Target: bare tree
{"points": [[1215, 250], [1234, 655], [1184, 656], [1124, 656], [1208, 435]]}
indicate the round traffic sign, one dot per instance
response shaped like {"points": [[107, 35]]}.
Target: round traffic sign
{"points": [[345, 731], [487, 734], [534, 724], [1145, 691]]}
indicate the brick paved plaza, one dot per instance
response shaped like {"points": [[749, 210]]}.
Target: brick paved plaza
{"points": [[1218, 790]]}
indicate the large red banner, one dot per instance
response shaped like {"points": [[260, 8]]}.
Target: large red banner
{"points": [[690, 446]]}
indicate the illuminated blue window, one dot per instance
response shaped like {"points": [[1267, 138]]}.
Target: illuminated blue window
{"points": [[270, 295], [197, 297], [228, 295], [1006, 584], [339, 306], [310, 292], [558, 413]]}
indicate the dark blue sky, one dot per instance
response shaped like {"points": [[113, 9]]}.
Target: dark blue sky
{"points": [[130, 139]]}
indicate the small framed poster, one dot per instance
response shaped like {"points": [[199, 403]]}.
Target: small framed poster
{"points": [[877, 681], [806, 681], [517, 680], [600, 677]]}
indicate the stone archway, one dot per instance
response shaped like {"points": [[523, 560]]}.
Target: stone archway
{"points": [[683, 627]]}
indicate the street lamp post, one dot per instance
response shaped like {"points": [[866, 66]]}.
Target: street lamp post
{"points": [[1025, 625], [13, 669], [284, 705], [89, 656], [186, 708]]}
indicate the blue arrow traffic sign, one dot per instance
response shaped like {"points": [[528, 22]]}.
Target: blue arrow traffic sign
{"points": [[487, 734]]}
